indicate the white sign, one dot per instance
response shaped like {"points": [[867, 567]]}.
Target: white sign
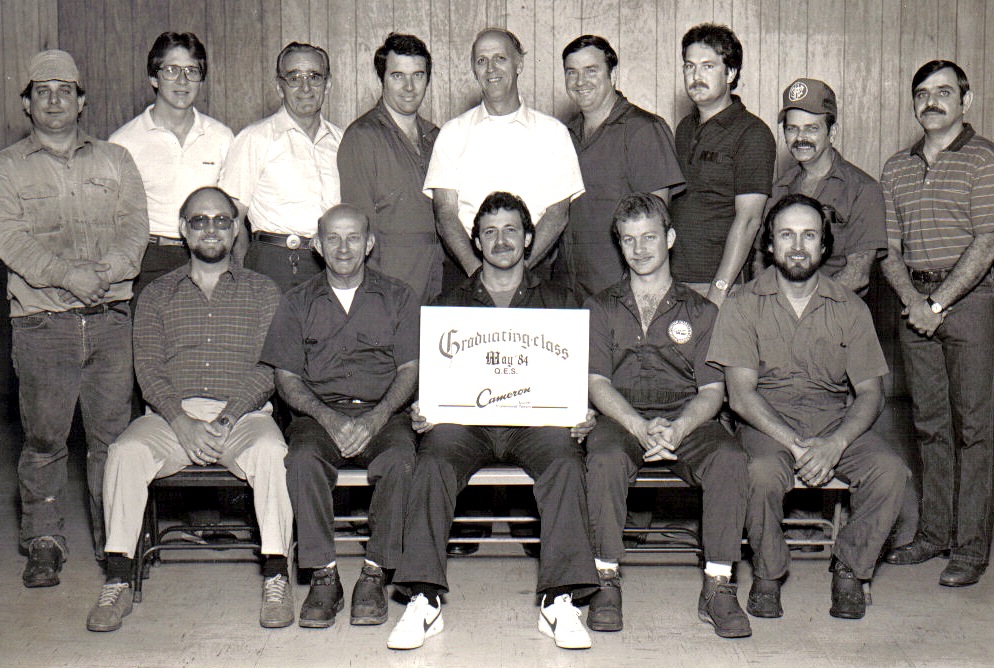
{"points": [[504, 366]]}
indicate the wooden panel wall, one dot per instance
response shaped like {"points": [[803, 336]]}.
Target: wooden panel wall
{"points": [[867, 50]]}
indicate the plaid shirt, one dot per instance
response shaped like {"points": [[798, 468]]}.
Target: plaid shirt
{"points": [[187, 346]]}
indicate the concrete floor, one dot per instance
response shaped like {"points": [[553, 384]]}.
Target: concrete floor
{"points": [[206, 614]]}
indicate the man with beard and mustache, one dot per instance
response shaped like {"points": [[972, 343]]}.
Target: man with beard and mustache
{"points": [[809, 121], [198, 334], [804, 371], [727, 156], [939, 197], [449, 454]]}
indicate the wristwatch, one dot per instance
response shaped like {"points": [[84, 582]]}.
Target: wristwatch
{"points": [[934, 305], [224, 421], [721, 284]]}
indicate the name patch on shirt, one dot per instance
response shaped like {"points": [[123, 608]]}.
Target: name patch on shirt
{"points": [[680, 332]]}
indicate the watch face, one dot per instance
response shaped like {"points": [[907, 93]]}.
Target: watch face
{"points": [[936, 308], [721, 284]]}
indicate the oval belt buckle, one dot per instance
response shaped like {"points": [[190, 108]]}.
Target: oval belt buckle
{"points": [[292, 241]]}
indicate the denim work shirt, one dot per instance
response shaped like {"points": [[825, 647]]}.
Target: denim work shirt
{"points": [[57, 210]]}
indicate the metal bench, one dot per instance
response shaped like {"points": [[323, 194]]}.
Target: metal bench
{"points": [[155, 539], [674, 538]]}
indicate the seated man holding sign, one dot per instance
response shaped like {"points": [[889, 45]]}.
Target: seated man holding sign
{"points": [[450, 453], [649, 376]]}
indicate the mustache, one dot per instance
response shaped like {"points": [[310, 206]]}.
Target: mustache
{"points": [[502, 248], [933, 110], [802, 144], [699, 84]]}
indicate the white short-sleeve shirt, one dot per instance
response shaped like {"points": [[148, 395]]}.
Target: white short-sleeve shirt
{"points": [[171, 171], [286, 180], [525, 153]]}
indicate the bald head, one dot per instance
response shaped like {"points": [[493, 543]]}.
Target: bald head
{"points": [[208, 195], [342, 212]]}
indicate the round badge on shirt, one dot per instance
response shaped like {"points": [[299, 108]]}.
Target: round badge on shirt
{"points": [[680, 331]]}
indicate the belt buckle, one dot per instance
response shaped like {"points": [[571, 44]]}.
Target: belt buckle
{"points": [[292, 241]]}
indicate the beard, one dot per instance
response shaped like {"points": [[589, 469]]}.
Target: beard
{"points": [[795, 272], [210, 254]]}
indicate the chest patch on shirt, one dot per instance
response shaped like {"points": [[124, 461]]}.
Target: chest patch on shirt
{"points": [[680, 331]]}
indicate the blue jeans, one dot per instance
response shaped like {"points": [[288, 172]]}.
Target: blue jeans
{"points": [[62, 359], [949, 377]]}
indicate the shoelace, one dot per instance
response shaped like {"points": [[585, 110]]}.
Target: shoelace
{"points": [[276, 589], [109, 593], [368, 575]]}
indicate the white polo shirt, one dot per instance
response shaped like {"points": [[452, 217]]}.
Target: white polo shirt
{"points": [[171, 171], [286, 180], [525, 153]]}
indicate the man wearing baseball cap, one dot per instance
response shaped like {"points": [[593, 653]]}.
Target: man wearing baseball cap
{"points": [[73, 226], [808, 119]]}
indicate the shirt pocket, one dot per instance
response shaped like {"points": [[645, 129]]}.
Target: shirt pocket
{"points": [[41, 206], [99, 196]]}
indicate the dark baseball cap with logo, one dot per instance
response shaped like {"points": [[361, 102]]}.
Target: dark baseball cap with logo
{"points": [[810, 95]]}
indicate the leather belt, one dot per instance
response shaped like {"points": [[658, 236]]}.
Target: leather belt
{"points": [[929, 275], [96, 308], [352, 402], [156, 240], [289, 241]]}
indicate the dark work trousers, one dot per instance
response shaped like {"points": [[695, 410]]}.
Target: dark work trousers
{"points": [[288, 268], [949, 378], [312, 465], [876, 475], [709, 457], [158, 261], [449, 454], [62, 359]]}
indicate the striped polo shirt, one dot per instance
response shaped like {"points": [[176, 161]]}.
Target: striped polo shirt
{"points": [[937, 210]]}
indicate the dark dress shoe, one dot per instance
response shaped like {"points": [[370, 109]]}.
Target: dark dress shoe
{"points": [[324, 600], [369, 597], [604, 613], [961, 574], [44, 563], [848, 601], [764, 599], [915, 552]]}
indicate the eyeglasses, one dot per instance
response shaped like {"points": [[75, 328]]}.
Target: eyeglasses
{"points": [[172, 72], [220, 221], [297, 79]]}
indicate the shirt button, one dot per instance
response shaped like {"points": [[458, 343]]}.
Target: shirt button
{"points": [[207, 364], [349, 374], [210, 315], [208, 339]]}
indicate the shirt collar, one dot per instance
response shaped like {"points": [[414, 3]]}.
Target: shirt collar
{"points": [[727, 116], [385, 119], [836, 171], [33, 145], [523, 115], [148, 123], [284, 123], [965, 135], [478, 291], [372, 281], [766, 284]]}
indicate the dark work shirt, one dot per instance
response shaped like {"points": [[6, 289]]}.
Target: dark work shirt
{"points": [[631, 151], [805, 365], [531, 293], [858, 202], [658, 371], [341, 355], [188, 346], [382, 173], [732, 154]]}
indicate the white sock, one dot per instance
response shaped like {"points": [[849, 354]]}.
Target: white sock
{"points": [[370, 562], [717, 569], [605, 565], [332, 564]]}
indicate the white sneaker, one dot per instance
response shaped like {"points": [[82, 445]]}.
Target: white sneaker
{"points": [[420, 621], [561, 622]]}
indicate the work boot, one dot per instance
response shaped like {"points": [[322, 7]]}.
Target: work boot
{"points": [[324, 600], [718, 605]]}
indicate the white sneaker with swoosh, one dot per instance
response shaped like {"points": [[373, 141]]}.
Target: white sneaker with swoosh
{"points": [[421, 620], [561, 622]]}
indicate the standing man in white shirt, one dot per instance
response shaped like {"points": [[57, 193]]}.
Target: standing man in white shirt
{"points": [[177, 148], [501, 145], [284, 169]]}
